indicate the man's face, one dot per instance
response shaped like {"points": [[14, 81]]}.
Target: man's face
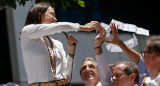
{"points": [[89, 72], [148, 61], [49, 16], [119, 76]]}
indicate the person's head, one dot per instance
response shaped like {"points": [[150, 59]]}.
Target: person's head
{"points": [[125, 74], [41, 13], [89, 72], [151, 54]]}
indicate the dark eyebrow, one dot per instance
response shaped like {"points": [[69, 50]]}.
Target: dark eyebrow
{"points": [[91, 65], [52, 13], [83, 67]]}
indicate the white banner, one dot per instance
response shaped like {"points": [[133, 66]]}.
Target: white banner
{"points": [[125, 27], [130, 28]]}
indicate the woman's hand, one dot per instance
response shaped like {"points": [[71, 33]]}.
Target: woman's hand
{"points": [[93, 25], [72, 43]]}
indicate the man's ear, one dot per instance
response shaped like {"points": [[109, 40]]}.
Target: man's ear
{"points": [[154, 56], [133, 77], [39, 16]]}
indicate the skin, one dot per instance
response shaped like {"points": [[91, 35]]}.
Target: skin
{"points": [[89, 73], [49, 16], [152, 62], [147, 59]]}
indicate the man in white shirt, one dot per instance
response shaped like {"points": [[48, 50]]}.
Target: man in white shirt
{"points": [[44, 58], [91, 75], [89, 72], [149, 58]]}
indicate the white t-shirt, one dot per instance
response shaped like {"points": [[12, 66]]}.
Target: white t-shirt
{"points": [[153, 81]]}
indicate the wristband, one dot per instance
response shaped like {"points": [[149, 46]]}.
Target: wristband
{"points": [[71, 55]]}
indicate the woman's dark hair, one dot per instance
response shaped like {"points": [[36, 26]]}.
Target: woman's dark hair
{"points": [[32, 16]]}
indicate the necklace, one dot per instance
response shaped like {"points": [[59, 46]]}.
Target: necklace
{"points": [[52, 57]]}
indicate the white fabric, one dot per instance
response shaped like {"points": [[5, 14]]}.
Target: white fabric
{"points": [[115, 48], [130, 28], [36, 56], [153, 81], [103, 70], [99, 84]]}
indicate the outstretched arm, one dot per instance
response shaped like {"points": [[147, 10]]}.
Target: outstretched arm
{"points": [[93, 25], [35, 31], [132, 54], [103, 68]]}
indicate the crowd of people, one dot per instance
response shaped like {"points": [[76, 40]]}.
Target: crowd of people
{"points": [[47, 64]]}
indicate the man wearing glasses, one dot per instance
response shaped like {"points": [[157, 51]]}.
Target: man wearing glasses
{"points": [[149, 58]]}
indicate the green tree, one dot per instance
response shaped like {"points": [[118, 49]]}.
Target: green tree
{"points": [[62, 4]]}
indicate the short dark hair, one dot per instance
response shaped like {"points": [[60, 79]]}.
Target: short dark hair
{"points": [[32, 16], [131, 68], [153, 44], [87, 59]]}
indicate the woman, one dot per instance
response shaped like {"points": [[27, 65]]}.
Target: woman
{"points": [[44, 58]]}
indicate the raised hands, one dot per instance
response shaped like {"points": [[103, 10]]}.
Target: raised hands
{"points": [[115, 40], [101, 37]]}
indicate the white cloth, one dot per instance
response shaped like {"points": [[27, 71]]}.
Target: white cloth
{"points": [[153, 81], [131, 28], [35, 54], [104, 71], [99, 84]]}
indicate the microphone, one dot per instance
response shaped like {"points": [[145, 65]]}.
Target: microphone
{"points": [[66, 34]]}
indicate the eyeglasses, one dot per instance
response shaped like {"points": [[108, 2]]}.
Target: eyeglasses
{"points": [[143, 53]]}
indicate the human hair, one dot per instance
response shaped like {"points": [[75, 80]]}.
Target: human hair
{"points": [[130, 68], [32, 16], [87, 59], [153, 44]]}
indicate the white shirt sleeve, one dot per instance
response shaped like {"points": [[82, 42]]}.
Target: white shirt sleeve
{"points": [[153, 81], [67, 62], [69, 67], [34, 31], [103, 70]]}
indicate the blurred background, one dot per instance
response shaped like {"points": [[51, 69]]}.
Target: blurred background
{"points": [[145, 14]]}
